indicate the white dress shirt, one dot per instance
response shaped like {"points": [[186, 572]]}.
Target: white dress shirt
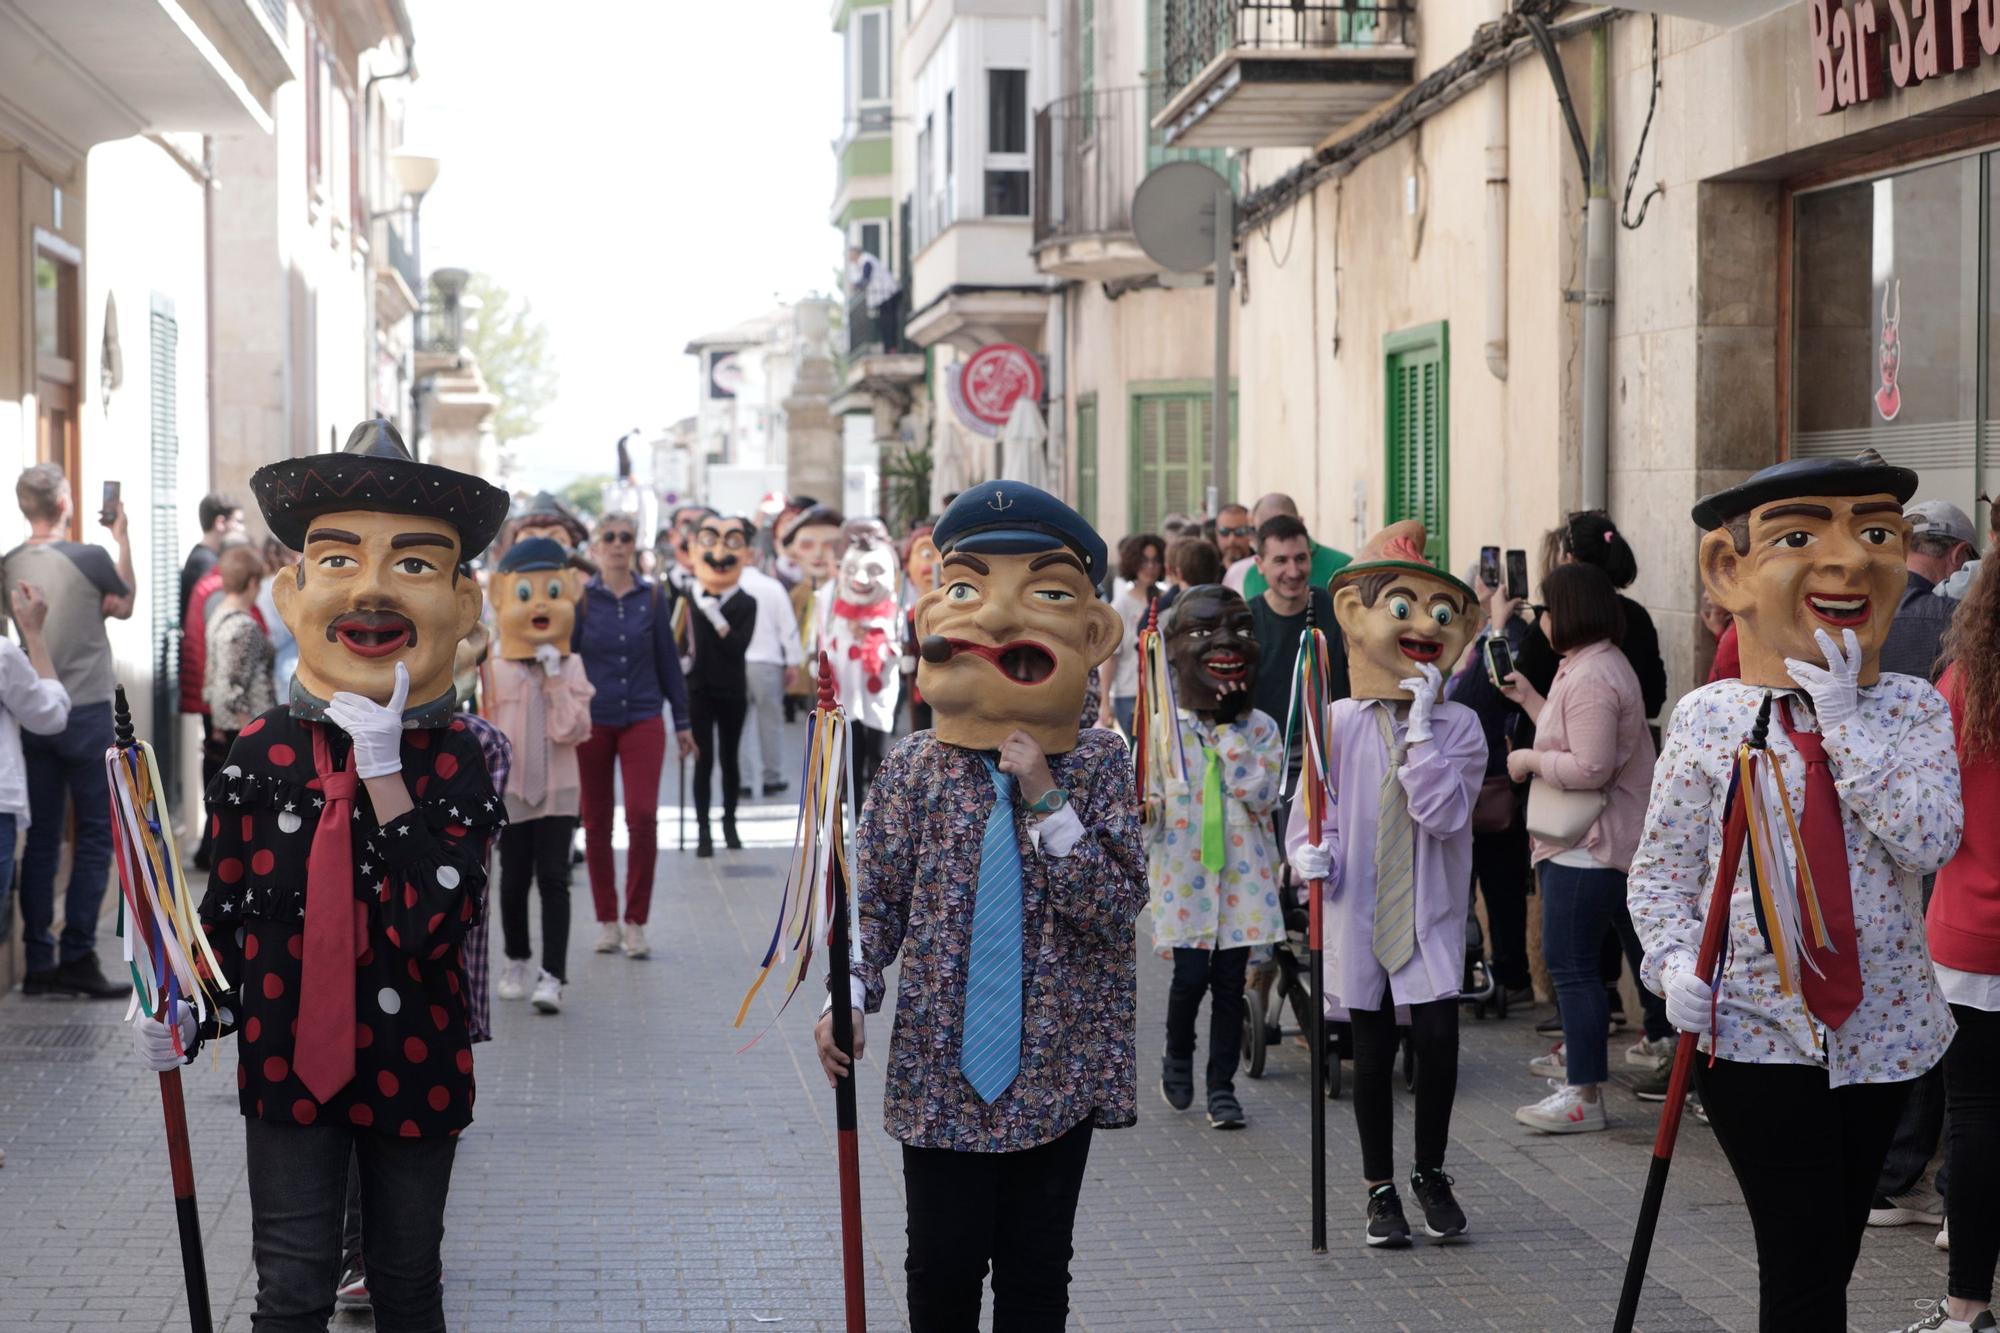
{"points": [[26, 700], [775, 640]]}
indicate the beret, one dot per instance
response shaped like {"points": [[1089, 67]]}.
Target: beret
{"points": [[1865, 474], [1014, 518]]}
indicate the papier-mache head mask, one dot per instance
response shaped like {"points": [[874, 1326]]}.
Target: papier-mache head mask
{"points": [[383, 537], [720, 546], [1808, 544], [921, 565], [815, 542], [1211, 640], [1398, 611], [1014, 628], [867, 572], [534, 594]]}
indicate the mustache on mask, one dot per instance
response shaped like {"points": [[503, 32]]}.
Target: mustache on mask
{"points": [[720, 563], [371, 621]]}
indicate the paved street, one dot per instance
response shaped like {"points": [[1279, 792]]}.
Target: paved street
{"points": [[630, 1169]]}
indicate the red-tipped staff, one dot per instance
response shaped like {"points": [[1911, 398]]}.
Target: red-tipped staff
{"points": [[1309, 703], [168, 955], [1707, 965]]}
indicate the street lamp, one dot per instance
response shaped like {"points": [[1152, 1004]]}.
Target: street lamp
{"points": [[415, 174]]}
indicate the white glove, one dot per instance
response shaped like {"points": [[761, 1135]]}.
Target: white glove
{"points": [[1423, 690], [681, 577], [549, 657], [1310, 862], [711, 606], [1690, 1000], [909, 665], [1834, 688], [376, 729], [155, 1044]]}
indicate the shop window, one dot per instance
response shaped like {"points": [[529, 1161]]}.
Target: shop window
{"points": [[1416, 377], [1170, 452], [1086, 458]]}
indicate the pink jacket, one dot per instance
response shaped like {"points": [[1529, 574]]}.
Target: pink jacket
{"points": [[568, 715], [1592, 736]]}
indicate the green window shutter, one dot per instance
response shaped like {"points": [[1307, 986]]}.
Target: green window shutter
{"points": [[1170, 468], [1416, 429], [1086, 458]]}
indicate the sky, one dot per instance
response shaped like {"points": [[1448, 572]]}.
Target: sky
{"points": [[642, 171]]}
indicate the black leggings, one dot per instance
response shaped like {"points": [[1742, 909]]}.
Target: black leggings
{"points": [[1434, 1033], [1500, 865], [537, 850], [870, 746], [718, 730], [1972, 1110], [1806, 1156], [1219, 972]]}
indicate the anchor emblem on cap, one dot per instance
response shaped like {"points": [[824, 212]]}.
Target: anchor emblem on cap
{"points": [[1000, 503]]}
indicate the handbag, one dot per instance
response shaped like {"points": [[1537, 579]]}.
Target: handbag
{"points": [[1493, 810], [1561, 817]]}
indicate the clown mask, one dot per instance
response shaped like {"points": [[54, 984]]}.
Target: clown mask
{"points": [[719, 546], [1808, 563], [1015, 640], [532, 607], [868, 574], [375, 589], [1211, 640], [922, 564]]}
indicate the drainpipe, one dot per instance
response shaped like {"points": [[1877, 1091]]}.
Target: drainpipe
{"points": [[1597, 285], [1496, 217]]}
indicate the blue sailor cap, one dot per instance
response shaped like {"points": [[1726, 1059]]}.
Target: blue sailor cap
{"points": [[534, 553], [1866, 474], [1014, 518]]}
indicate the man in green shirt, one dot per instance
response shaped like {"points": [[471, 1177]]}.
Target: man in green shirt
{"points": [[1248, 575], [1284, 555]]}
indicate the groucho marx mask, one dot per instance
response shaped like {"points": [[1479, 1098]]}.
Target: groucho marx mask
{"points": [[1211, 640], [1397, 611], [379, 584]]}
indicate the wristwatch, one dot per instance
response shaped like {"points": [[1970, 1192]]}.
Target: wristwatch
{"points": [[1050, 801]]}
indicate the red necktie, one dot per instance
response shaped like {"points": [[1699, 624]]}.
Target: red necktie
{"points": [[1832, 992], [323, 1052]]}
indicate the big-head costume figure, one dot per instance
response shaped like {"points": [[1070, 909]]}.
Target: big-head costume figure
{"points": [[1812, 1054], [813, 543], [720, 629], [858, 618], [1003, 849], [351, 830]]}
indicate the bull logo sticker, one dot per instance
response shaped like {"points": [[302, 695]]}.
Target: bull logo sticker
{"points": [[1889, 398]]}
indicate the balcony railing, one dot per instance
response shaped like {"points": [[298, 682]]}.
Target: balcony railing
{"points": [[1197, 31], [861, 339], [1091, 151]]}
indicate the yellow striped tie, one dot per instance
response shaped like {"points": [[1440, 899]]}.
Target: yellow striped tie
{"points": [[1395, 871]]}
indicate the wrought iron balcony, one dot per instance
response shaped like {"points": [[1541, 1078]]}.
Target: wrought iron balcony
{"points": [[1279, 73]]}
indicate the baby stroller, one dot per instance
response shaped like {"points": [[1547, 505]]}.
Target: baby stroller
{"points": [[1479, 989], [1287, 981]]}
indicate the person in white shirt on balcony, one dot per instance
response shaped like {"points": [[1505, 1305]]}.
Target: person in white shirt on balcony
{"points": [[882, 291]]}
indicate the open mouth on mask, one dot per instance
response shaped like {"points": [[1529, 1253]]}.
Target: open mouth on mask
{"points": [[1226, 664], [540, 622], [1421, 650], [1023, 661], [1843, 612], [372, 633]]}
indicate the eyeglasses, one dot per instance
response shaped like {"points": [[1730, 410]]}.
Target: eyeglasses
{"points": [[1245, 531], [708, 537], [615, 538]]}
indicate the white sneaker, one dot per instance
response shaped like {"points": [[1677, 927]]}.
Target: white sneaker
{"points": [[1943, 1241], [548, 994], [1552, 1064], [513, 984], [1922, 1206], [1564, 1111], [1649, 1052], [607, 937], [635, 942], [1935, 1317]]}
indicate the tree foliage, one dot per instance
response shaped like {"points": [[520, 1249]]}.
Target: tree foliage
{"points": [[512, 347], [586, 495]]}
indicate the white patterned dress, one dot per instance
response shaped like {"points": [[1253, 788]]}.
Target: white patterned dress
{"points": [[1194, 908]]}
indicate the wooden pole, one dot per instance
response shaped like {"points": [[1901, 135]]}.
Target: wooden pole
{"points": [[1315, 937], [839, 989]]}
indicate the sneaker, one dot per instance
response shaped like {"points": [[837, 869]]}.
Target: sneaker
{"points": [[1564, 1111], [513, 983], [1551, 1064], [43, 983], [352, 1293], [1935, 1317], [1696, 1109], [635, 942], [1443, 1218], [1520, 997], [1387, 1228], [548, 994], [607, 937], [82, 976], [1177, 1081], [1224, 1111], [774, 788], [1651, 1086], [1553, 1023], [1943, 1241], [1921, 1206], [1649, 1052]]}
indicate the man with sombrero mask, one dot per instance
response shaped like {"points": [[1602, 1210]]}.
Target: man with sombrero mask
{"points": [[351, 827]]}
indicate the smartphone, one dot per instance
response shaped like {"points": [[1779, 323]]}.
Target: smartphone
{"points": [[109, 513], [1517, 574], [1499, 660], [1489, 566]]}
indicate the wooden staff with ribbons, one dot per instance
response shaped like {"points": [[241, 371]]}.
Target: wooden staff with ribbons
{"points": [[1311, 701]]}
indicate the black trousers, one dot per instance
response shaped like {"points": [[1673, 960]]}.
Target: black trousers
{"points": [[1013, 1210], [1806, 1156], [214, 754], [537, 851], [1500, 866], [1219, 973], [1972, 1104], [1434, 1033], [718, 730], [870, 746], [298, 1190]]}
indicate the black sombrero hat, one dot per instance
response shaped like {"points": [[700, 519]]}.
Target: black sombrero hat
{"points": [[375, 471]]}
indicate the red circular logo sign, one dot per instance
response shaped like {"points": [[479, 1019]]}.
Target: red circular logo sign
{"points": [[996, 377]]}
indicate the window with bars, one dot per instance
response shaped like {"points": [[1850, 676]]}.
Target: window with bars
{"points": [[1170, 452], [164, 362], [1416, 377], [1086, 458]]}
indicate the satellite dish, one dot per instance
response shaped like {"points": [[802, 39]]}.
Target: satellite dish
{"points": [[1173, 215]]}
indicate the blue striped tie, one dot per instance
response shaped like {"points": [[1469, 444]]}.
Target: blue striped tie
{"points": [[990, 1055]]}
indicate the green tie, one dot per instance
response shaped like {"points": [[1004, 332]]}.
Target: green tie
{"points": [[1214, 848], [1395, 846]]}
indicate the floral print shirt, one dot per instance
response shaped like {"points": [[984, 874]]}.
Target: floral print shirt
{"points": [[1194, 908], [1897, 773], [916, 871]]}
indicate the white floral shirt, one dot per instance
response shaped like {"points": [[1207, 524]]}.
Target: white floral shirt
{"points": [[1194, 908], [1897, 773]]}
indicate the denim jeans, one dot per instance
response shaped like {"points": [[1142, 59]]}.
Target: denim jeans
{"points": [[1580, 907], [1218, 973], [298, 1192], [69, 764], [7, 823]]}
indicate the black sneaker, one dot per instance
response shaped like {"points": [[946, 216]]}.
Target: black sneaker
{"points": [[1443, 1218], [1652, 1086], [1224, 1111], [1177, 1081], [1520, 997], [1553, 1023], [82, 976], [44, 983], [773, 788], [1387, 1227]]}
